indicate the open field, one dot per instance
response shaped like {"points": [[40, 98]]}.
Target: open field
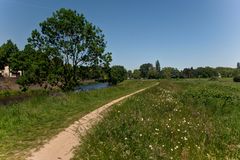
{"points": [[181, 119], [31, 123]]}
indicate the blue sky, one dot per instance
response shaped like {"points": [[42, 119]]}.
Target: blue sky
{"points": [[179, 33]]}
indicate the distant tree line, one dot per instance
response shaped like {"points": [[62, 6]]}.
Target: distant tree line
{"points": [[149, 71]]}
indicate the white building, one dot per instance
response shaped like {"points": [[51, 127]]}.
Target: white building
{"points": [[7, 73]]}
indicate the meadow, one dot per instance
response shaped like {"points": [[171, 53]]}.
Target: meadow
{"points": [[178, 119], [29, 124]]}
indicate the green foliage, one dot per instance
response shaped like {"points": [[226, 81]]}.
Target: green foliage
{"points": [[144, 69], [117, 74], [66, 40], [236, 78], [6, 51], [238, 65], [129, 74], [214, 79], [153, 74], [206, 72], [136, 74], [169, 72], [35, 65], [158, 68]]}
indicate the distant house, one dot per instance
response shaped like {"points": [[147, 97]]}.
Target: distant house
{"points": [[8, 73]]}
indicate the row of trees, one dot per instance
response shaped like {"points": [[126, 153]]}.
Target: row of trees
{"points": [[148, 71], [67, 47]]}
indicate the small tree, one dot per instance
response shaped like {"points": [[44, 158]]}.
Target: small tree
{"points": [[238, 65], [129, 74], [136, 74], [117, 74], [153, 74], [158, 69]]}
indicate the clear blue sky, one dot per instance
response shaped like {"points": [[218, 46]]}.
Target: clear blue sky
{"points": [[179, 33]]}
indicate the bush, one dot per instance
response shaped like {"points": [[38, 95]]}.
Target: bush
{"points": [[236, 78], [117, 74], [214, 79]]}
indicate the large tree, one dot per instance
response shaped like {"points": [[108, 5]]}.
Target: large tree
{"points": [[158, 68], [68, 36], [6, 51], [144, 69]]}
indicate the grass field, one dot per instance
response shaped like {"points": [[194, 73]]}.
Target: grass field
{"points": [[28, 124], [181, 119]]}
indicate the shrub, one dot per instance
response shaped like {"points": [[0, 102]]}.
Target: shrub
{"points": [[214, 79], [117, 74], [236, 78]]}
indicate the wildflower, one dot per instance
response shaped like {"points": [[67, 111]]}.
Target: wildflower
{"points": [[169, 119], [140, 135], [171, 149], [176, 147], [141, 119], [163, 145], [197, 146], [118, 111], [156, 129], [178, 130], [185, 138], [125, 138], [151, 147]]}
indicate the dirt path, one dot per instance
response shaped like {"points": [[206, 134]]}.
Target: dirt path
{"points": [[61, 147]]}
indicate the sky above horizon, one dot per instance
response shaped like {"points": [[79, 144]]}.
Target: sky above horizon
{"points": [[186, 33]]}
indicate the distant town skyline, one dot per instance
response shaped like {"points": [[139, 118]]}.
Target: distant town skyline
{"points": [[177, 33]]}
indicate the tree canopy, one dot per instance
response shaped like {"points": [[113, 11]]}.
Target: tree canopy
{"points": [[65, 42], [118, 74], [6, 51], [144, 69]]}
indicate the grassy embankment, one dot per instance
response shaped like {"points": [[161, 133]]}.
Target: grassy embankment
{"points": [[185, 119], [28, 124]]}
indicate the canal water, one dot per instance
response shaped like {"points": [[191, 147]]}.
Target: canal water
{"points": [[90, 87]]}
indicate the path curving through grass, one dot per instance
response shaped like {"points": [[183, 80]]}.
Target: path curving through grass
{"points": [[62, 145]]}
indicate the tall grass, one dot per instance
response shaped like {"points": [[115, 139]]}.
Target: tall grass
{"points": [[175, 120], [30, 123]]}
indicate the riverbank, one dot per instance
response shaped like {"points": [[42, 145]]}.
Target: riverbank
{"points": [[31, 123]]}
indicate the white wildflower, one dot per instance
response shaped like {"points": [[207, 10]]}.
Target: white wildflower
{"points": [[151, 147]]}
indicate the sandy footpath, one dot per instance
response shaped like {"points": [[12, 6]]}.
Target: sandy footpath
{"points": [[61, 146]]}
